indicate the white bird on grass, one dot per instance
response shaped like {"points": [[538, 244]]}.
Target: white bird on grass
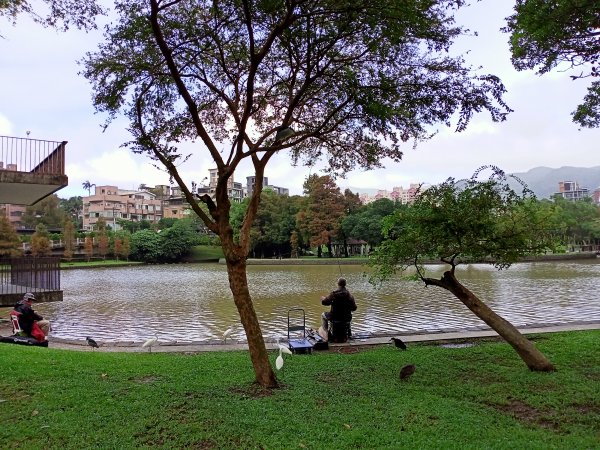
{"points": [[284, 349], [279, 361], [150, 342]]}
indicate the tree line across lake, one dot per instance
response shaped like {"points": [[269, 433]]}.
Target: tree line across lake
{"points": [[321, 222]]}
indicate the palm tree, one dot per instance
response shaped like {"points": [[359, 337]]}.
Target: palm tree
{"points": [[87, 185]]}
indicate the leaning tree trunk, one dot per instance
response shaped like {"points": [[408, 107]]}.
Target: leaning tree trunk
{"points": [[238, 283], [534, 359]]}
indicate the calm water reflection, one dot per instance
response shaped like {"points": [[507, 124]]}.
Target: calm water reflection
{"points": [[192, 302]]}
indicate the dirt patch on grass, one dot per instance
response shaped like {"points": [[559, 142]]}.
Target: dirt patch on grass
{"points": [[591, 373], [346, 350], [476, 341], [204, 444], [472, 342], [557, 420], [528, 414], [145, 379], [253, 390], [350, 349], [537, 337], [585, 408], [481, 379]]}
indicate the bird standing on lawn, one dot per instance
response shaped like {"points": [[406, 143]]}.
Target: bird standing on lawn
{"points": [[279, 360], [407, 371], [92, 343], [283, 349], [398, 343]]}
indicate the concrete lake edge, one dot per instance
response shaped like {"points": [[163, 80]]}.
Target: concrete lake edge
{"points": [[440, 336]]}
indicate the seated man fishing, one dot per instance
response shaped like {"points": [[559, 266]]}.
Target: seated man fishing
{"points": [[340, 315], [31, 323]]}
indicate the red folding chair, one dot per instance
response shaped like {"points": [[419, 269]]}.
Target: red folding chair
{"points": [[14, 318]]}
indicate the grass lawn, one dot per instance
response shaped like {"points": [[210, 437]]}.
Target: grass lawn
{"points": [[201, 253], [458, 398], [97, 263]]}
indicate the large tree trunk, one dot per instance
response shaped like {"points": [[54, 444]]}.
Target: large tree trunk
{"points": [[238, 283], [534, 359]]}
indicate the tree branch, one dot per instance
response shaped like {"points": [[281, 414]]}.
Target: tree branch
{"points": [[434, 282], [181, 88], [172, 170]]}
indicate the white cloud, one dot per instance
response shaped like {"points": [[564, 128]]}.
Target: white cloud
{"points": [[115, 167], [5, 125], [38, 79]]}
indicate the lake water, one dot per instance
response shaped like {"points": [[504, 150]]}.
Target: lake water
{"points": [[192, 302]]}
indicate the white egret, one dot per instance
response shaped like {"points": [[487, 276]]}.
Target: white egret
{"points": [[279, 361], [150, 342], [284, 349], [226, 334]]}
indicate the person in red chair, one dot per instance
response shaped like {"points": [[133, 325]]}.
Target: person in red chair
{"points": [[31, 323]]}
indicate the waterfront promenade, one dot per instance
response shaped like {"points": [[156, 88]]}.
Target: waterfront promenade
{"points": [[446, 336]]}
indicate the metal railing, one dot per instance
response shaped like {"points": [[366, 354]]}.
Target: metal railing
{"points": [[30, 274], [79, 242], [32, 155]]}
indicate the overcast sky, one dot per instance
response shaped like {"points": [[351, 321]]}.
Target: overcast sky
{"points": [[41, 92]]}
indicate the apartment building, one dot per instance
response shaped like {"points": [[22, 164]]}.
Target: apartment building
{"points": [[174, 205], [398, 193], [251, 181], [113, 203], [570, 190], [152, 204], [235, 190]]}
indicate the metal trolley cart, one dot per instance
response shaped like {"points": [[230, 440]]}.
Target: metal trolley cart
{"points": [[297, 340]]}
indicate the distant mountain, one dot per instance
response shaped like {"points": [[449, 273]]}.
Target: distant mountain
{"points": [[543, 181]]}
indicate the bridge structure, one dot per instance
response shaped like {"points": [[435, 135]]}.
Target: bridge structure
{"points": [[30, 170]]}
